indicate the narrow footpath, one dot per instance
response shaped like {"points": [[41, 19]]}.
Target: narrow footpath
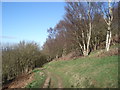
{"points": [[52, 80]]}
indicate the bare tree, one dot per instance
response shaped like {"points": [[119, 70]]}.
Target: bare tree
{"points": [[109, 22], [80, 15], [107, 11]]}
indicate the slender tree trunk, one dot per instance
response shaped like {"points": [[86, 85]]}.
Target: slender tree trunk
{"points": [[56, 56], [26, 70], [90, 29], [95, 45], [108, 39], [89, 36], [109, 33], [64, 50], [84, 46]]}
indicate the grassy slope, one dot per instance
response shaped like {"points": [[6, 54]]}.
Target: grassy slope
{"points": [[87, 72]]}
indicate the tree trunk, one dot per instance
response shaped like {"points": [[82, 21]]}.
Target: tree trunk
{"points": [[108, 40], [109, 33], [26, 69], [89, 36], [90, 29], [95, 45], [56, 56], [64, 51], [85, 53]]}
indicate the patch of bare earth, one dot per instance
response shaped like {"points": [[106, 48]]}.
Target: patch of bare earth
{"points": [[21, 81], [47, 81], [69, 56]]}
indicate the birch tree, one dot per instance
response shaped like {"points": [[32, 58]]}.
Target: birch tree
{"points": [[109, 22], [80, 16], [90, 28], [107, 11]]}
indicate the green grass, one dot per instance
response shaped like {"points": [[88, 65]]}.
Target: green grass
{"points": [[54, 82], [87, 72], [36, 70], [38, 79]]}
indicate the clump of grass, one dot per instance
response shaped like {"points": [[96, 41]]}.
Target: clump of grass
{"points": [[36, 70], [38, 81]]}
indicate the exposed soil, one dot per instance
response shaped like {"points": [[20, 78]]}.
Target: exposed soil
{"points": [[23, 80], [70, 56], [47, 81], [20, 82]]}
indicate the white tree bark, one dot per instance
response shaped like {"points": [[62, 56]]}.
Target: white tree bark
{"points": [[90, 29], [109, 33], [86, 46]]}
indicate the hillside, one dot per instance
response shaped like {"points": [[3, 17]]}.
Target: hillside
{"points": [[87, 72], [60, 45], [98, 70]]}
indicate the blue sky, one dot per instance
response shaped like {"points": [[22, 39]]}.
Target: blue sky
{"points": [[29, 21]]}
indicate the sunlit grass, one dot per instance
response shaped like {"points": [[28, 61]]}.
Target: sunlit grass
{"points": [[87, 72]]}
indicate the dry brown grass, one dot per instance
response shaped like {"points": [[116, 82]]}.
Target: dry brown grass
{"points": [[20, 82], [113, 51]]}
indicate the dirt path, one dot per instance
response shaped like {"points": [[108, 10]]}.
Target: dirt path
{"points": [[49, 81]]}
